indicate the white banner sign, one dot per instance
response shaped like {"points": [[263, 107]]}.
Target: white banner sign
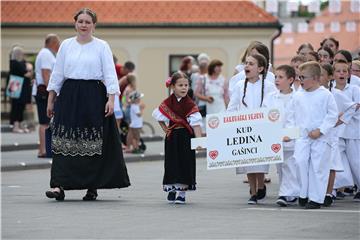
{"points": [[246, 138]]}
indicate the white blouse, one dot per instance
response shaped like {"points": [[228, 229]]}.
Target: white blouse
{"points": [[194, 119], [352, 129], [90, 61], [252, 96], [240, 77], [312, 110]]}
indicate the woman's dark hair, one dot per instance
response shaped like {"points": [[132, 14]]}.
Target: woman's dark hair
{"points": [[261, 60], [212, 66], [86, 11], [185, 63], [327, 49], [328, 68], [315, 55], [263, 50], [331, 39], [176, 76], [248, 49], [346, 54], [330, 71], [305, 45]]}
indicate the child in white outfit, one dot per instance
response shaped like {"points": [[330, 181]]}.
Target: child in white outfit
{"points": [[314, 111], [288, 180]]}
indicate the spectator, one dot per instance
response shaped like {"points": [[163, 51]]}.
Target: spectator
{"points": [[331, 43], [18, 68], [44, 65]]}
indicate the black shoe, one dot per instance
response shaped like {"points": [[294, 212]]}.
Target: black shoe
{"points": [[357, 197], [349, 191], [281, 201], [340, 195], [261, 194], [59, 196], [252, 200], [180, 200], [312, 205], [303, 201], [171, 196], [91, 195], [328, 201]]}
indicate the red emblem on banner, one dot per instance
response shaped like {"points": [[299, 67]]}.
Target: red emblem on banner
{"points": [[213, 122], [274, 115], [213, 154], [276, 147]]}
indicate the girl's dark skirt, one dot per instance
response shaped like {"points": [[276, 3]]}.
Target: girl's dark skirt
{"points": [[180, 162], [87, 152]]}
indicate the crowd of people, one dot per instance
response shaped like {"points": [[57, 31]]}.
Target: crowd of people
{"points": [[320, 92], [90, 99]]}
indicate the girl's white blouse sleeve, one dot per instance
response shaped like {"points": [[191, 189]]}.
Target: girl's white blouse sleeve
{"points": [[194, 119], [159, 116]]}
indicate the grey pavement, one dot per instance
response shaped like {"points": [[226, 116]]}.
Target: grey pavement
{"points": [[18, 151], [16, 141], [216, 210]]}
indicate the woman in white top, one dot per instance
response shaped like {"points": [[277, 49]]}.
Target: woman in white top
{"points": [[216, 90], [87, 152]]}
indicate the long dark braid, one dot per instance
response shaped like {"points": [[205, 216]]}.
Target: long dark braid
{"points": [[261, 62], [263, 83], [243, 98], [331, 84]]}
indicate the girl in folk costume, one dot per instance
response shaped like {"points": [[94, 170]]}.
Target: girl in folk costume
{"points": [[349, 134], [180, 119], [251, 94]]}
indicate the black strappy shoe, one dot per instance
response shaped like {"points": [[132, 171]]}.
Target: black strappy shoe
{"points": [[59, 196], [91, 195]]}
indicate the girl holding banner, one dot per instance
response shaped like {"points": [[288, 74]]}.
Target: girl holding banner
{"points": [[251, 94]]}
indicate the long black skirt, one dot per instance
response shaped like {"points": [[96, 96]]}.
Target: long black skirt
{"points": [[87, 152], [180, 162]]}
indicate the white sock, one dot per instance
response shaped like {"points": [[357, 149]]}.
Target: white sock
{"points": [[181, 194]]}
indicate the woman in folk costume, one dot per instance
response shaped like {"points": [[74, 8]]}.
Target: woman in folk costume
{"points": [[180, 119], [85, 140]]}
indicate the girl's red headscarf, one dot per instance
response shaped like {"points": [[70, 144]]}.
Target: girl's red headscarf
{"points": [[178, 111]]}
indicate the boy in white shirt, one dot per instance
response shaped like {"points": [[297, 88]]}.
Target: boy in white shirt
{"points": [[288, 180], [136, 121], [315, 112]]}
